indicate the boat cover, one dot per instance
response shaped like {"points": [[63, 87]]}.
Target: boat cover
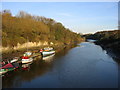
{"points": [[9, 65], [24, 57], [16, 65]]}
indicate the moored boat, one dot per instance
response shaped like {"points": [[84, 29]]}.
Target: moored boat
{"points": [[26, 59], [15, 59], [6, 68], [47, 51]]}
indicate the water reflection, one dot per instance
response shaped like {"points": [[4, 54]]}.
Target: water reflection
{"points": [[27, 72], [49, 58], [65, 50], [26, 66]]}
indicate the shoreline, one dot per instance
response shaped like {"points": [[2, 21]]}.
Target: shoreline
{"points": [[9, 55], [110, 51]]}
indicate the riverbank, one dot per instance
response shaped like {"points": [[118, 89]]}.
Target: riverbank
{"points": [[108, 40], [112, 49], [10, 54]]}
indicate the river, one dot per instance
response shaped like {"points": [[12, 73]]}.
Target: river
{"points": [[83, 66]]}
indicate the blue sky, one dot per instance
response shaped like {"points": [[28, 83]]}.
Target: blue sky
{"points": [[81, 17]]}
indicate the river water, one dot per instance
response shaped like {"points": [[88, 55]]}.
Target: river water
{"points": [[83, 66]]}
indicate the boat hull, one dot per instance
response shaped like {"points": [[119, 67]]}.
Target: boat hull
{"points": [[27, 60], [14, 60], [2, 71], [45, 53]]}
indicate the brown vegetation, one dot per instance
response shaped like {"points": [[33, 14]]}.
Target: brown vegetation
{"points": [[16, 29]]}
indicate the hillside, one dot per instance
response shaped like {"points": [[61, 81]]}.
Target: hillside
{"points": [[24, 27], [107, 39]]}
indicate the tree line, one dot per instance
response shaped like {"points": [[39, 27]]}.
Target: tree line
{"points": [[113, 35], [16, 29]]}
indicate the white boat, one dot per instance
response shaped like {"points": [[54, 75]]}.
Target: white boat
{"points": [[47, 51], [27, 60], [15, 59], [27, 55]]}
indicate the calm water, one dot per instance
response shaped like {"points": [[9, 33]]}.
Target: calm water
{"points": [[83, 66]]}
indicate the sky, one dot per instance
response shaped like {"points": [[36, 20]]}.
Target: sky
{"points": [[80, 17]]}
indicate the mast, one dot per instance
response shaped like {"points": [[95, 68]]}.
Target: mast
{"points": [[27, 43]]}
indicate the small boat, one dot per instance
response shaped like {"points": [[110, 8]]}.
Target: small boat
{"points": [[6, 68], [15, 59], [26, 59], [47, 51]]}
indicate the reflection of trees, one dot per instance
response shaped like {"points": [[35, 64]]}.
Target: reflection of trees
{"points": [[7, 80], [65, 50], [37, 68], [15, 79]]}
